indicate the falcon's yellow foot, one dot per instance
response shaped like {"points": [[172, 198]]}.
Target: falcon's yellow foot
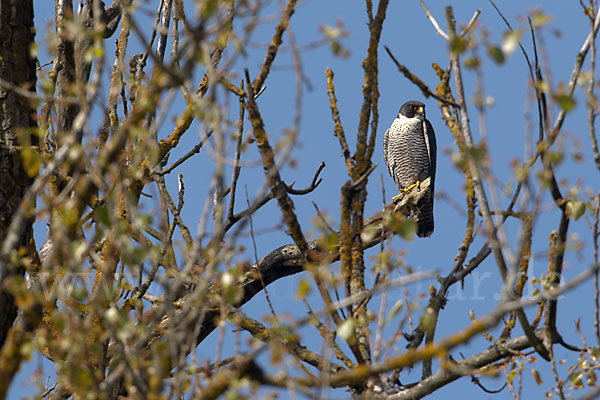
{"points": [[408, 189], [405, 191]]}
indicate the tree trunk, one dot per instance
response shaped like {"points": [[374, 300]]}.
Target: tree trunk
{"points": [[17, 69]]}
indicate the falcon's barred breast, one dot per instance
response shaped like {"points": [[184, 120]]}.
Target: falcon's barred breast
{"points": [[409, 150]]}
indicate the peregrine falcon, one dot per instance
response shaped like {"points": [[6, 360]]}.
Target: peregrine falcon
{"points": [[409, 150]]}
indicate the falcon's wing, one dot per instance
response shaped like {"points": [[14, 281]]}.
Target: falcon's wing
{"points": [[385, 151], [431, 151]]}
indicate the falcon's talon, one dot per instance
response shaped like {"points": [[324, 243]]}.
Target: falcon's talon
{"points": [[408, 189], [398, 196]]}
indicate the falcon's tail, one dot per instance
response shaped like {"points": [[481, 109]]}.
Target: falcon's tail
{"points": [[424, 216]]}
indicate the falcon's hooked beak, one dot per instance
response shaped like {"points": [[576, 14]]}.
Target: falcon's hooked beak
{"points": [[419, 109]]}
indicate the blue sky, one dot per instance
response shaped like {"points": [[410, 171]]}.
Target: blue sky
{"points": [[414, 42]]}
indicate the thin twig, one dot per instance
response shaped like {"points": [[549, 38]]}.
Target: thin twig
{"points": [[363, 177], [194, 150], [335, 115], [471, 22], [274, 46], [235, 174], [329, 336], [417, 81], [260, 277], [260, 332], [559, 383], [433, 21], [165, 18], [322, 218], [579, 59], [377, 345], [49, 390], [592, 102], [313, 185]]}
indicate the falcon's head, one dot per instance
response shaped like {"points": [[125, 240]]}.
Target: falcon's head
{"points": [[413, 109]]}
